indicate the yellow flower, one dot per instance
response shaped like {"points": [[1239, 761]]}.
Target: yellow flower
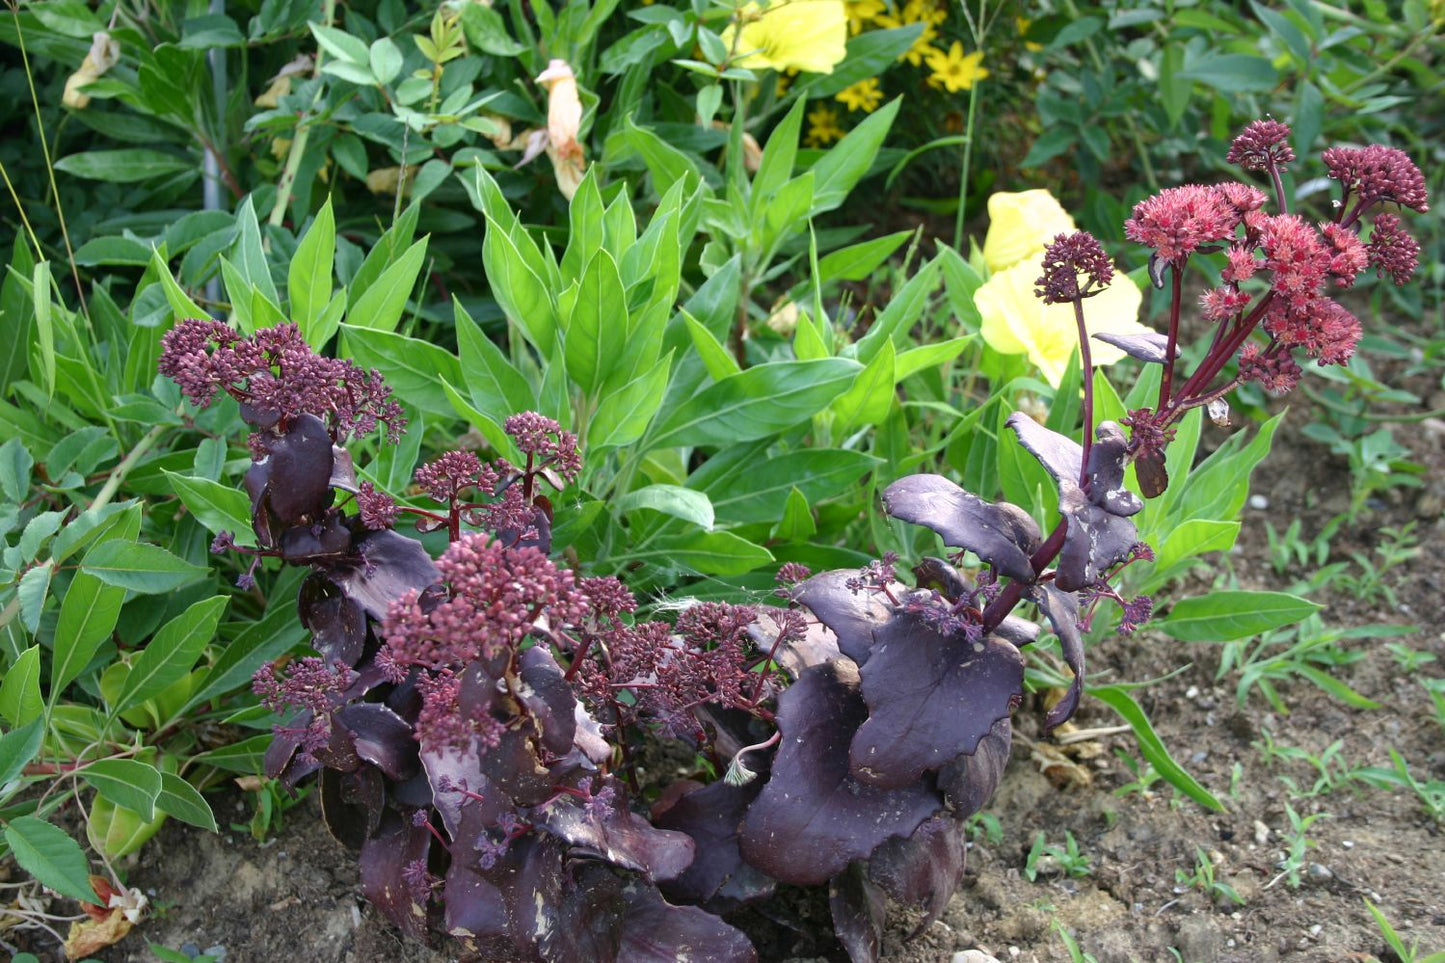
{"points": [[860, 12], [953, 71], [1020, 224], [1016, 322], [922, 45], [865, 95], [823, 126], [1023, 23], [804, 34], [916, 10]]}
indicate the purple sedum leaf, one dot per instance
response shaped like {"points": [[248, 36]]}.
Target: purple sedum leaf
{"points": [[337, 623], [819, 643], [924, 869], [969, 781], [859, 910], [1062, 611], [380, 737], [852, 616], [1150, 348], [352, 804], [389, 566], [711, 815], [294, 479], [384, 857], [813, 818], [999, 533], [930, 697], [619, 835], [549, 699]]}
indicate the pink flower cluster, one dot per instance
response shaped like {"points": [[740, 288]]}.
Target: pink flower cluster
{"points": [[278, 376], [1178, 220], [1065, 260]]}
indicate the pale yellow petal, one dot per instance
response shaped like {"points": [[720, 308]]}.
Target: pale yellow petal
{"points": [[1020, 224]]}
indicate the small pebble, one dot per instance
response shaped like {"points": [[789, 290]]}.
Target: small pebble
{"points": [[1348, 844], [1258, 502], [1261, 832], [973, 956], [1316, 930], [1319, 871], [1192, 692]]}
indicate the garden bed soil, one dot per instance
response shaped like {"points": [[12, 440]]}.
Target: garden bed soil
{"points": [[296, 897]]}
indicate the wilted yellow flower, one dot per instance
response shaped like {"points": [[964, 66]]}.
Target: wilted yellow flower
{"points": [[954, 71], [272, 95], [1023, 24], [865, 95], [387, 180], [860, 12], [823, 126], [103, 55], [804, 34], [1020, 225], [564, 121], [1016, 322]]}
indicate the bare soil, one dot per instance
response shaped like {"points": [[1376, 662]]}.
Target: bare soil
{"points": [[296, 898]]}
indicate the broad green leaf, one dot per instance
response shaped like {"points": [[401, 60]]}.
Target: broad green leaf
{"points": [[518, 289], [88, 614], [847, 161], [1226, 616], [490, 428], [386, 60], [665, 163], [755, 488], [1189, 542], [249, 256], [684, 503], [339, 43], [413, 369], [495, 385], [624, 415], [140, 567], [124, 166], [599, 315], [869, 54], [244, 756], [707, 553], [902, 312], [914, 360], [776, 166], [44, 325], [216, 506], [382, 304], [584, 217], [15, 464], [867, 400], [858, 261], [118, 831], [20, 700], [170, 653], [1151, 747], [715, 358], [31, 593], [797, 523], [308, 279], [18, 747], [258, 643], [51, 856], [182, 306], [755, 403], [180, 799], [128, 783]]}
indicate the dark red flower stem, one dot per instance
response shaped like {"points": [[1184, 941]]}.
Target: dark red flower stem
{"points": [[1087, 361], [1000, 607], [1171, 350]]}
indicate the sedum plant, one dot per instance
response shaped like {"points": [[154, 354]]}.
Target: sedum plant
{"points": [[480, 724]]}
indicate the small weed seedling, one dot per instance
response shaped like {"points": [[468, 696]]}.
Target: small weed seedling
{"points": [[1431, 793], [1332, 771], [1402, 953], [1203, 880], [1069, 860], [1299, 844], [1410, 660], [1076, 955]]}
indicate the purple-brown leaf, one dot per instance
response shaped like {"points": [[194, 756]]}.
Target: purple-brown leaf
{"points": [[383, 858], [619, 835], [924, 869], [999, 533], [851, 615], [859, 909], [968, 782], [1150, 348], [389, 566], [1062, 611]]}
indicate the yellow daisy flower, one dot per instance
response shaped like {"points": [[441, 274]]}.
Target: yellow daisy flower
{"points": [[861, 12], [803, 34], [922, 45], [865, 95], [916, 10], [823, 126], [954, 71]]}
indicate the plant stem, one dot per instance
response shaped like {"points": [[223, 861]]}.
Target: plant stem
{"points": [[303, 134], [963, 175], [1176, 270], [1087, 363]]}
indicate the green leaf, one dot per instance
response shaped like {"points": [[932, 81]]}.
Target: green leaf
{"points": [[858, 261], [413, 369], [776, 166], [308, 279], [180, 799], [244, 756], [755, 403], [15, 465], [44, 325], [1226, 616], [170, 654], [386, 60], [182, 306], [116, 830], [487, 32], [518, 289], [846, 162], [382, 304], [584, 217], [708, 553], [666, 163], [624, 415], [140, 567], [258, 643], [52, 857], [903, 311], [755, 488], [248, 255], [20, 700], [1188, 543], [1231, 73], [216, 506], [1151, 747], [340, 44], [867, 400], [128, 783], [869, 54], [684, 503], [599, 313], [18, 747], [124, 166], [922, 358], [34, 587], [494, 384], [88, 614], [715, 358], [797, 523]]}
